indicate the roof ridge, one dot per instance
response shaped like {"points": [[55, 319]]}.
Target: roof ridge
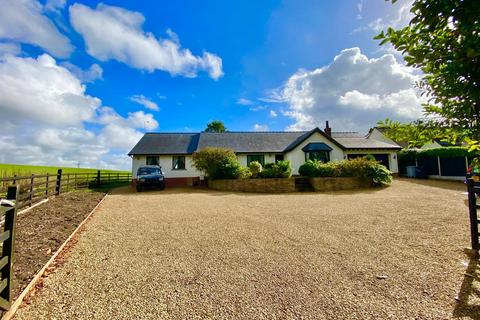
{"points": [[270, 131], [171, 132]]}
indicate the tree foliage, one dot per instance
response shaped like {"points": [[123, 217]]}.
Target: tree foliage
{"points": [[216, 126], [443, 40], [217, 163], [419, 132]]}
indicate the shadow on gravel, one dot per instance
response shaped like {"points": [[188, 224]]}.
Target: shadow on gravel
{"points": [[130, 191], [468, 299], [449, 185]]}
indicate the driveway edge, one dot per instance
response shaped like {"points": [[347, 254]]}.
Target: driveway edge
{"points": [[18, 302]]}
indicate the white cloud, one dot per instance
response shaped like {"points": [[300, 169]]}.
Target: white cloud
{"points": [[23, 21], [40, 89], [244, 102], [137, 119], [260, 127], [46, 115], [399, 17], [119, 137], [273, 114], [11, 49], [359, 9], [144, 101], [116, 33], [353, 92], [257, 108], [93, 73], [55, 5]]}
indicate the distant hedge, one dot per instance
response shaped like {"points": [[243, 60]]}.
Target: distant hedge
{"points": [[446, 152]]}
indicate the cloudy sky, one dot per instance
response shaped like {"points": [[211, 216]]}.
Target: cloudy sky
{"points": [[80, 81]]}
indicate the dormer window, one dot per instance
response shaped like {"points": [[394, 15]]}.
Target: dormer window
{"points": [[318, 151]]}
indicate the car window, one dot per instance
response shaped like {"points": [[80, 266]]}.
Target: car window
{"points": [[142, 171]]}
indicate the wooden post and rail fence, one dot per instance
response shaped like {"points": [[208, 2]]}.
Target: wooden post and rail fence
{"points": [[35, 188], [8, 211], [20, 191]]}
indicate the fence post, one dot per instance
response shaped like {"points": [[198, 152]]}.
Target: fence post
{"points": [[8, 249], [439, 166], [59, 182], [472, 208], [46, 186], [14, 179], [98, 177], [68, 181], [32, 180]]}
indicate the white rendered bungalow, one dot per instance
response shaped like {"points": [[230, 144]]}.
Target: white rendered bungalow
{"points": [[173, 151]]}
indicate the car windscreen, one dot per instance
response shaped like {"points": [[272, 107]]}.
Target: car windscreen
{"points": [[143, 171]]}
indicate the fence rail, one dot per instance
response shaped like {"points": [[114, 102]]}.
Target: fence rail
{"points": [[35, 188]]}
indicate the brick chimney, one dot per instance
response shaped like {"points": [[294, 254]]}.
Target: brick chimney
{"points": [[328, 130]]}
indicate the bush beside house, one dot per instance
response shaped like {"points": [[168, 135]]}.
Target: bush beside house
{"points": [[224, 172], [361, 168], [220, 163]]}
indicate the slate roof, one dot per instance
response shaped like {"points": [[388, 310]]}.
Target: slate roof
{"points": [[166, 143], [247, 142], [243, 142], [364, 143]]}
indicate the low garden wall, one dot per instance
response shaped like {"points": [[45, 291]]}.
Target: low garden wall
{"points": [[339, 183], [272, 185]]}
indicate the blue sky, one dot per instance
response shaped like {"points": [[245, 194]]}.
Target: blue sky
{"points": [[97, 75]]}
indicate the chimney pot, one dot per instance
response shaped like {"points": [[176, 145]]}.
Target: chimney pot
{"points": [[328, 130]]}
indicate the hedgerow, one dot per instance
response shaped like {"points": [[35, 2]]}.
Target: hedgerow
{"points": [[359, 167]]}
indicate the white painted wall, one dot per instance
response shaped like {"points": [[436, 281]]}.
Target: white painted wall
{"points": [[297, 156], [166, 164], [392, 156]]}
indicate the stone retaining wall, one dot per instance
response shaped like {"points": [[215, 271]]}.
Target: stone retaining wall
{"points": [[339, 183], [273, 185]]}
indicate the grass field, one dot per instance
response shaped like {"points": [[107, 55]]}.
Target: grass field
{"points": [[8, 170]]}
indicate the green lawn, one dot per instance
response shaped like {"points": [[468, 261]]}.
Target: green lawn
{"points": [[8, 170]]}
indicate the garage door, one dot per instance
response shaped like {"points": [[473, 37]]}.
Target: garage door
{"points": [[382, 157]]}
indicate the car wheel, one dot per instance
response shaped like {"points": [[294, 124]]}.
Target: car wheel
{"points": [[162, 186], [139, 188]]}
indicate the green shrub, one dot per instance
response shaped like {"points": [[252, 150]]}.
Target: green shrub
{"points": [[280, 169], [355, 167], [359, 167], [217, 163], [379, 174], [255, 168], [283, 169], [245, 173], [308, 169], [314, 168]]}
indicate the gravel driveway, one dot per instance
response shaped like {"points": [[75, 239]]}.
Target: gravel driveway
{"points": [[371, 254]]}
